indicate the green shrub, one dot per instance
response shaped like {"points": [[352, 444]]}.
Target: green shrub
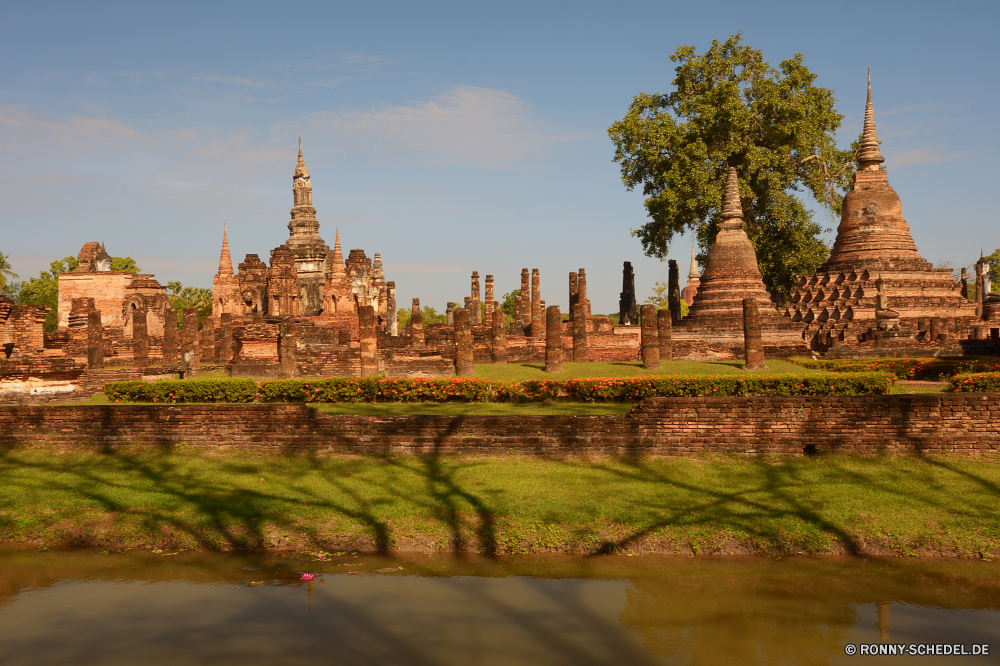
{"points": [[474, 389], [188, 390], [632, 389], [976, 382], [906, 368]]}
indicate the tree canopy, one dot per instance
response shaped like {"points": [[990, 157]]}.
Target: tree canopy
{"points": [[730, 108], [5, 271], [182, 297]]}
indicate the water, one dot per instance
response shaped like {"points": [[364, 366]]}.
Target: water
{"points": [[194, 608]]}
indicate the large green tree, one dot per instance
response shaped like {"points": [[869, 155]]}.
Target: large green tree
{"points": [[730, 108]]}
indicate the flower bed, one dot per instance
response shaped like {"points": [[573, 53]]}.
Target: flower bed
{"points": [[976, 382], [906, 368], [472, 389]]}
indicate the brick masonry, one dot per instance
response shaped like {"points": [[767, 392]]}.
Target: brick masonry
{"points": [[967, 424]]}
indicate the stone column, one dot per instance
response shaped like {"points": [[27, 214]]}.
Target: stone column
{"points": [[464, 365], [477, 310], [965, 285], [170, 355], [537, 311], [287, 347], [627, 314], [490, 303], [674, 291], [140, 338], [553, 339], [753, 346], [468, 306], [938, 329], [525, 311], [979, 288], [499, 349], [207, 340], [581, 280], [390, 308], [649, 338], [450, 313], [190, 354], [664, 334], [574, 294], [224, 349], [416, 326], [95, 339], [369, 341], [517, 326], [581, 353]]}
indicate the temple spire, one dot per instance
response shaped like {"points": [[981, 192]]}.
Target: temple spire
{"points": [[693, 273], [225, 261], [732, 209], [869, 157]]}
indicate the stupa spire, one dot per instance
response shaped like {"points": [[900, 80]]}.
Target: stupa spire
{"points": [[225, 260], [732, 209], [338, 255], [869, 157], [693, 273]]}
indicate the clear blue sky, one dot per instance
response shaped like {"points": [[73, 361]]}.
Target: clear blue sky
{"points": [[447, 137]]}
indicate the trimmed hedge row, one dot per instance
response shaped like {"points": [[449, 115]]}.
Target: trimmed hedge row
{"points": [[906, 368], [370, 389], [187, 390], [976, 382]]}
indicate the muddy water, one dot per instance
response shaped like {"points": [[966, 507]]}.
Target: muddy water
{"points": [[190, 608]]}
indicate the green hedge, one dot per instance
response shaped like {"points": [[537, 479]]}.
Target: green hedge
{"points": [[906, 368], [188, 390], [976, 382], [636, 388], [473, 389]]}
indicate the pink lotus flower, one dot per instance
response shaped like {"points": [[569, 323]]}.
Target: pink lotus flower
{"points": [[308, 576]]}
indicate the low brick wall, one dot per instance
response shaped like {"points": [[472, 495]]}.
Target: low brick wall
{"points": [[950, 423]]}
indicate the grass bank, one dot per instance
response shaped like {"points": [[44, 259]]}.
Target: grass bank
{"points": [[188, 499]]}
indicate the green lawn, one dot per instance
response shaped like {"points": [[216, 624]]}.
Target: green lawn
{"points": [[192, 499], [512, 371]]}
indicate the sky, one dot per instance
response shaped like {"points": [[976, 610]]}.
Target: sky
{"points": [[448, 137]]}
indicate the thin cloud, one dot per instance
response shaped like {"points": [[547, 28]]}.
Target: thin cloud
{"points": [[230, 80], [465, 125], [22, 129]]}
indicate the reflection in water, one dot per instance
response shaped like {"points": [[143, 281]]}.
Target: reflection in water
{"points": [[84, 608]]}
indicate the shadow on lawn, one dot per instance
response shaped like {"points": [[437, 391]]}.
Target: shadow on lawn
{"points": [[784, 494]]}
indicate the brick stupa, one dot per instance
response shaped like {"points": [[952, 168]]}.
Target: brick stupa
{"points": [[225, 286], [694, 281], [837, 304], [732, 274]]}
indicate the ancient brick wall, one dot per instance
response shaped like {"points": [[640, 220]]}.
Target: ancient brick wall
{"points": [[927, 424]]}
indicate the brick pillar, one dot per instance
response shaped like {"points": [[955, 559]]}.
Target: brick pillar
{"points": [[499, 349], [207, 340], [77, 327], [450, 313], [27, 326], [140, 338], [468, 307], [95, 339], [965, 285], [369, 341], [581, 353], [170, 355], [627, 315], [574, 295], [581, 281], [288, 347], [416, 326], [490, 303], [937, 329], [664, 334], [477, 310], [464, 365], [390, 308], [537, 310], [553, 339], [649, 340], [979, 288], [674, 291], [525, 312], [517, 326], [190, 354], [224, 348], [753, 346]]}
